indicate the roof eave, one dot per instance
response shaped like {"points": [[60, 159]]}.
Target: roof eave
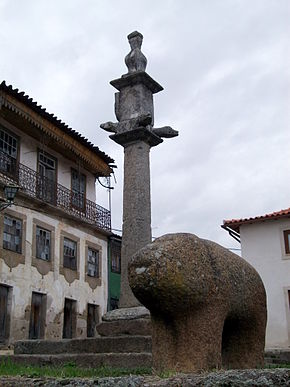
{"points": [[39, 110]]}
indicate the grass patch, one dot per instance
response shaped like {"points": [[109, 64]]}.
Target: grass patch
{"points": [[69, 370], [277, 366]]}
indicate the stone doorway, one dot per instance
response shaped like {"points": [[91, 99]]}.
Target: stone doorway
{"points": [[69, 319], [37, 316], [5, 307], [92, 319]]}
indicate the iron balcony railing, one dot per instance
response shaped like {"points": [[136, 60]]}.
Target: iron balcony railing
{"points": [[37, 186]]}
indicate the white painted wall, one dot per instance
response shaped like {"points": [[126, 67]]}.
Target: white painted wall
{"points": [[28, 157], [263, 247]]}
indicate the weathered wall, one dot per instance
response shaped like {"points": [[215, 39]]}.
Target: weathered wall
{"points": [[263, 246], [25, 278]]}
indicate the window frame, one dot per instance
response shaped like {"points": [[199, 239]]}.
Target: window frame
{"points": [[11, 167], [70, 258], [93, 281], [6, 215], [286, 234], [95, 264], [43, 266], [37, 255], [69, 274], [11, 258]]}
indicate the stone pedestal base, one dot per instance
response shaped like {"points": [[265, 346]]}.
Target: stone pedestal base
{"points": [[126, 321]]}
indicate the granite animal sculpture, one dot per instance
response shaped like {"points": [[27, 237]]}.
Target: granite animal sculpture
{"points": [[207, 305]]}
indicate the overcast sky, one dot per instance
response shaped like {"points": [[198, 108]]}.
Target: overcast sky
{"points": [[224, 66]]}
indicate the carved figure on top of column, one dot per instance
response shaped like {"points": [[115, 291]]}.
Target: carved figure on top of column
{"points": [[134, 101], [135, 60]]}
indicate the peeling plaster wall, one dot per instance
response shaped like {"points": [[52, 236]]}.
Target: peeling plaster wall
{"points": [[22, 272], [263, 247], [24, 279]]}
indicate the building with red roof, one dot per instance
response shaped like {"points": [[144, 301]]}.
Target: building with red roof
{"points": [[265, 244]]}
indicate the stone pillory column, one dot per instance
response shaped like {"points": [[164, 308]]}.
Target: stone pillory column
{"points": [[134, 131]]}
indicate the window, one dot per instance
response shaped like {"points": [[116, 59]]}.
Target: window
{"points": [[12, 236], [93, 263], [115, 257], [69, 254], [43, 244], [9, 150], [78, 186], [287, 241]]}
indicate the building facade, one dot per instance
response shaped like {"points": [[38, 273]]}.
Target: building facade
{"points": [[265, 244], [54, 239]]}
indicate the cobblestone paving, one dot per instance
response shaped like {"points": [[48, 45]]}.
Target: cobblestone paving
{"points": [[233, 378]]}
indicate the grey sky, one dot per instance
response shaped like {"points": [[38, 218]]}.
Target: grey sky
{"points": [[224, 66]]}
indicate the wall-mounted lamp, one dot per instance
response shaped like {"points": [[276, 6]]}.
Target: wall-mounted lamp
{"points": [[10, 192]]}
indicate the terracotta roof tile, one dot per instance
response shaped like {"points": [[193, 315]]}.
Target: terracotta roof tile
{"points": [[236, 223]]}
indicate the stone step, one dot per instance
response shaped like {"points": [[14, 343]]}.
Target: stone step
{"points": [[277, 356], [135, 327], [102, 345], [85, 360]]}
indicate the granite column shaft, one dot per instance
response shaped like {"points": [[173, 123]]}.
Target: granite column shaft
{"points": [[136, 211]]}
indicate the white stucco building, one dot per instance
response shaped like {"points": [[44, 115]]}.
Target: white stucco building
{"points": [[54, 239], [265, 244]]}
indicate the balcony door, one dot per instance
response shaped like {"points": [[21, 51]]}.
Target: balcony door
{"points": [[78, 186], [46, 181]]}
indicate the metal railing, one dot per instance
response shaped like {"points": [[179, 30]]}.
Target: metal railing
{"points": [[37, 186]]}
